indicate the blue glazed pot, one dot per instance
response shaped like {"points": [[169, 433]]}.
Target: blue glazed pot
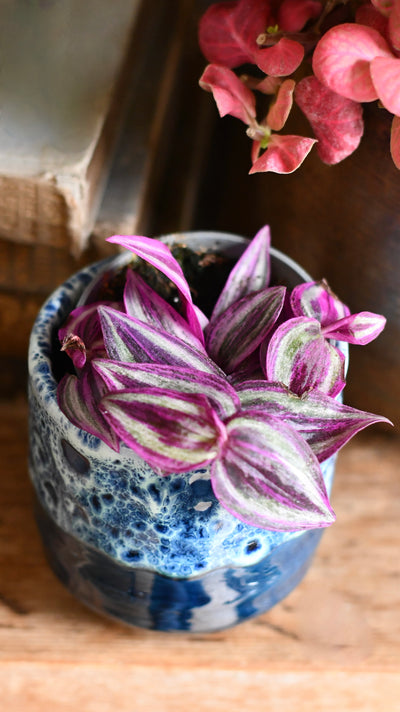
{"points": [[157, 552]]}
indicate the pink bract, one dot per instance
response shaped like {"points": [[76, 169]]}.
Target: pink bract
{"points": [[342, 60], [385, 73], [336, 121], [280, 108], [230, 94], [284, 154]]}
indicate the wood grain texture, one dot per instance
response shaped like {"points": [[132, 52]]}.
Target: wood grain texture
{"points": [[333, 644], [165, 109], [63, 87]]}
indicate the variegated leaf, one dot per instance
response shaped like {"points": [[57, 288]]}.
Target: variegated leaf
{"points": [[325, 423], [229, 33], [280, 109], [248, 370], [316, 299], [385, 73], [160, 256], [131, 340], [300, 358], [239, 330], [124, 376], [230, 94], [78, 399], [358, 328], [284, 154], [267, 475], [342, 60], [143, 303], [337, 122], [250, 273], [173, 432]]}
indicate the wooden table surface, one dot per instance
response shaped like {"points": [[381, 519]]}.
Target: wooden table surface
{"points": [[332, 645]]}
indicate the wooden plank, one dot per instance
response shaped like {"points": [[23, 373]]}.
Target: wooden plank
{"points": [[62, 94], [38, 269], [334, 643], [153, 181], [180, 171], [163, 147]]}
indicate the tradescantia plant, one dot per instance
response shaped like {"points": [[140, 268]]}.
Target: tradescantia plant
{"points": [[250, 392], [327, 57]]}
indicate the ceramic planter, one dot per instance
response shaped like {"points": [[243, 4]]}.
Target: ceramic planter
{"points": [[157, 552]]}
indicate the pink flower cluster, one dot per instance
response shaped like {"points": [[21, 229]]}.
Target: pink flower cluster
{"points": [[352, 62]]}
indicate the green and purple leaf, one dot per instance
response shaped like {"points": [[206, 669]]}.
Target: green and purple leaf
{"points": [[143, 303], [316, 299], [361, 328], [173, 432], [159, 256], [125, 376], [240, 329], [300, 358], [326, 424], [250, 273], [79, 399], [267, 475], [248, 370], [131, 340]]}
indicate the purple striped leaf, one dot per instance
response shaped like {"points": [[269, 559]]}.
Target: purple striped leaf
{"points": [[316, 299], [131, 340], [248, 370], [300, 358], [159, 255], [79, 398], [173, 432], [358, 328], [202, 319], [325, 423], [250, 273], [267, 475], [239, 330], [143, 303], [125, 376]]}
